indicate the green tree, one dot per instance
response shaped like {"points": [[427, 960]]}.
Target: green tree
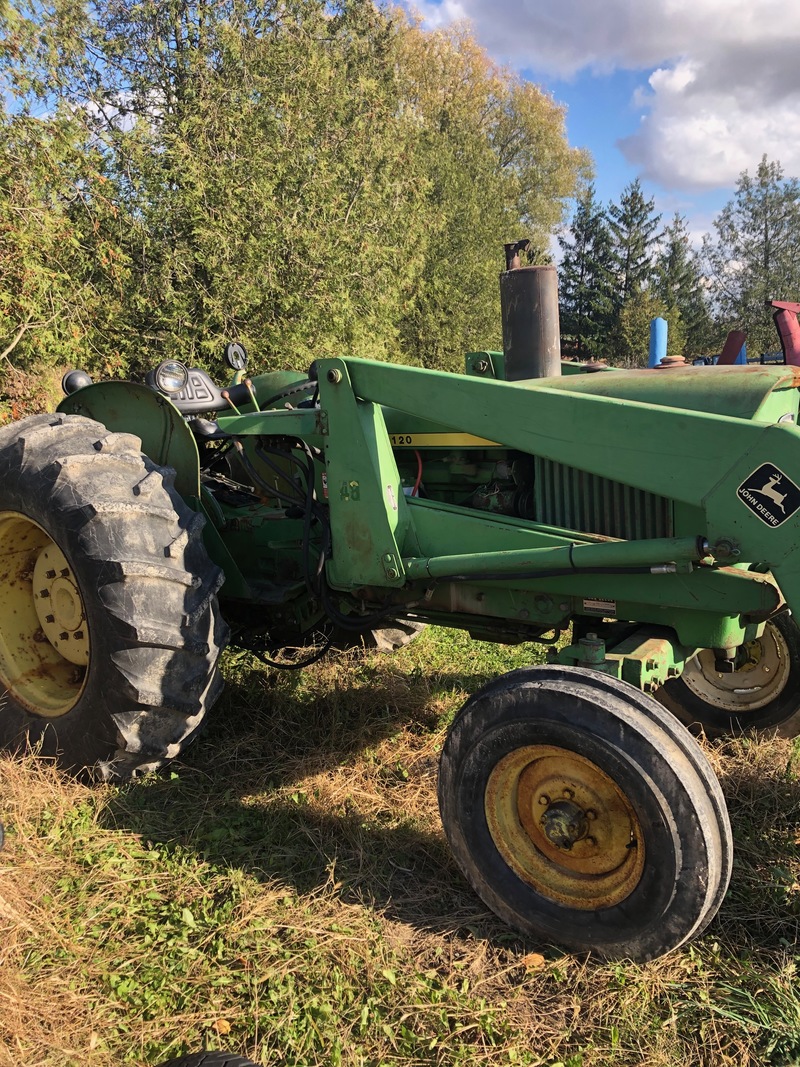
{"points": [[498, 167], [679, 283], [754, 255], [311, 177], [585, 280], [60, 269], [634, 233], [630, 338]]}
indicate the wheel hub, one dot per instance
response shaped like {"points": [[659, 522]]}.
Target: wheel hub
{"points": [[44, 637], [564, 824], [59, 606], [565, 827], [762, 671]]}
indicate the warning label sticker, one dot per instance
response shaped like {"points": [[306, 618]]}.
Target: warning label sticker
{"points": [[770, 495], [600, 607]]}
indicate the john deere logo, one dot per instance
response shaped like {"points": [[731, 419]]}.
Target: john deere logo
{"points": [[770, 495]]}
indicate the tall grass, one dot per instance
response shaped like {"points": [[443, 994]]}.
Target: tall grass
{"points": [[286, 892]]}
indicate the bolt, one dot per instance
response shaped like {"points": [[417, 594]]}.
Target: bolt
{"points": [[44, 593], [50, 618], [482, 366], [724, 548], [391, 573], [79, 635], [563, 606], [590, 840], [569, 794], [63, 636], [50, 574], [544, 800], [334, 376], [65, 573], [590, 814]]}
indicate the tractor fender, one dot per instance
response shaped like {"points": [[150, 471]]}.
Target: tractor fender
{"points": [[127, 407]]}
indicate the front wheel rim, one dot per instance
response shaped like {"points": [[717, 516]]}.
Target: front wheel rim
{"points": [[565, 827], [44, 635], [758, 680]]}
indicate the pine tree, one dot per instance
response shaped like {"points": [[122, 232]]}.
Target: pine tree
{"points": [[755, 256], [634, 232], [678, 282], [585, 280]]}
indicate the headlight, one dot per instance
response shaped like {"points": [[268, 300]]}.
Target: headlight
{"points": [[171, 376], [74, 380]]}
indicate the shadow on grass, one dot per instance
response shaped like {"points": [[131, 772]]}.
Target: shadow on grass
{"points": [[238, 801], [232, 801]]}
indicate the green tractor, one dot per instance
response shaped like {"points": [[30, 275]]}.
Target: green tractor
{"points": [[652, 513]]}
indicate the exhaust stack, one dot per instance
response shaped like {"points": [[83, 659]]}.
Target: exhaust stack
{"points": [[529, 309]]}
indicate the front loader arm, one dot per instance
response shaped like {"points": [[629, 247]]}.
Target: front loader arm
{"points": [[718, 463]]}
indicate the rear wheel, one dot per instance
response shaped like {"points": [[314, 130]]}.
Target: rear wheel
{"points": [[763, 693], [109, 625], [577, 817]]}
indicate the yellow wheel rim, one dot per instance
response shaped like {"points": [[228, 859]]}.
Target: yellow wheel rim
{"points": [[44, 637], [761, 676], [565, 827]]}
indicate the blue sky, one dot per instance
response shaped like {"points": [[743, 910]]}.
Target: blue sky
{"points": [[685, 94]]}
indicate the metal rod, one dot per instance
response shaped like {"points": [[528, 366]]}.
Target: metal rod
{"points": [[579, 557]]}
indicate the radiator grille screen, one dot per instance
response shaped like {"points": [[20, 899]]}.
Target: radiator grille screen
{"points": [[575, 500]]}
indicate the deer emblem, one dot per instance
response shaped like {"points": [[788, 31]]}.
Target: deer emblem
{"points": [[768, 490]]}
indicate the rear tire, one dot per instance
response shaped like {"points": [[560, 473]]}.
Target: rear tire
{"points": [[644, 860], [110, 629]]}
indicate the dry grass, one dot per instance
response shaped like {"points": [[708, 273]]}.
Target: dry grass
{"points": [[287, 892]]}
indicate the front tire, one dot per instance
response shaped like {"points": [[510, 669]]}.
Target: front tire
{"points": [[110, 629], [578, 819], [763, 693]]}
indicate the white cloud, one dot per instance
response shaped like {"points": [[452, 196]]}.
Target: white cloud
{"points": [[725, 81]]}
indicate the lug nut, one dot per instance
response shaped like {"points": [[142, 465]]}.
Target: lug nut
{"points": [[544, 800], [63, 636], [569, 794], [590, 814], [44, 593], [50, 618], [50, 574]]}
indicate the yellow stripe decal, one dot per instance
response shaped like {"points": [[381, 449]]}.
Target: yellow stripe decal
{"points": [[440, 440]]}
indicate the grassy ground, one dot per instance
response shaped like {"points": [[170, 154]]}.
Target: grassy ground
{"points": [[286, 892]]}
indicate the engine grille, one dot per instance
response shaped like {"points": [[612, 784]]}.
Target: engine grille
{"points": [[572, 499]]}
